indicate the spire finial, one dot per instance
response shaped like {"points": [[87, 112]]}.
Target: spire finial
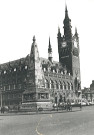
{"points": [[49, 51], [76, 33], [58, 29], [49, 41], [49, 48], [66, 8], [75, 30], [34, 39], [66, 11]]}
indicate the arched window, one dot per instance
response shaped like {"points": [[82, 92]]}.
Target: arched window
{"points": [[64, 85], [44, 69], [51, 84], [62, 72], [56, 85], [68, 84], [46, 83], [60, 85], [53, 71], [71, 86]]}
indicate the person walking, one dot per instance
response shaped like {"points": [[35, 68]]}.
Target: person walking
{"points": [[1, 109], [80, 106]]}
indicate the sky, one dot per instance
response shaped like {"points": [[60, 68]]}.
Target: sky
{"points": [[20, 20]]}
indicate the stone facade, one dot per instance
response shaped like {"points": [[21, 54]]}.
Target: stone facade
{"points": [[88, 93], [33, 80]]}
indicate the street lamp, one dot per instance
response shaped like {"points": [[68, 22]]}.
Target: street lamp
{"points": [[1, 97]]}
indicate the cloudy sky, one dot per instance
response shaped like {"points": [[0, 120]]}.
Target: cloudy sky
{"points": [[21, 19]]}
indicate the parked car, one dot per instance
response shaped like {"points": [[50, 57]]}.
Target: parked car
{"points": [[72, 103]]}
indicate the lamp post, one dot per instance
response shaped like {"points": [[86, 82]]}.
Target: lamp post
{"points": [[1, 97]]}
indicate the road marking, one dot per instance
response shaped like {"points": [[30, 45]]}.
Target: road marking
{"points": [[37, 127], [39, 124]]}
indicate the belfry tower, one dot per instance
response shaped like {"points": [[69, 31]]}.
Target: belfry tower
{"points": [[68, 49]]}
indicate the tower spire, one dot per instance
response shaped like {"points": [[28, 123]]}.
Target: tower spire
{"points": [[67, 26], [34, 39], [76, 33], [66, 11], [50, 51]]}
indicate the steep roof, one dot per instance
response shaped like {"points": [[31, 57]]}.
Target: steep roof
{"points": [[14, 64], [25, 62]]}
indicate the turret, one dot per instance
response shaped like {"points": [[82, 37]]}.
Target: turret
{"points": [[59, 39], [50, 51], [76, 39], [76, 33]]}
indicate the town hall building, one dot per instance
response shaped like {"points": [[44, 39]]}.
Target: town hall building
{"points": [[34, 81]]}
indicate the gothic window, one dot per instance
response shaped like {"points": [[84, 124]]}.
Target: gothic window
{"points": [[64, 85], [9, 87], [51, 84], [14, 86], [62, 72], [68, 85], [56, 85], [46, 83], [60, 84], [71, 86]]}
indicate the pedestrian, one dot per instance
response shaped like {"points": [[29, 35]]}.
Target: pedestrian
{"points": [[1, 109], [80, 106]]}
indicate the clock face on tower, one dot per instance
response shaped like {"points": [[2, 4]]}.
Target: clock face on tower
{"points": [[64, 44]]}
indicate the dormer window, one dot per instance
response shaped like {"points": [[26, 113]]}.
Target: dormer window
{"points": [[14, 69], [49, 69], [62, 72], [44, 69], [65, 72], [5, 72], [53, 71], [25, 67]]}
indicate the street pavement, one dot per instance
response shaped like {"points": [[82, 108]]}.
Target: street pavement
{"points": [[50, 123]]}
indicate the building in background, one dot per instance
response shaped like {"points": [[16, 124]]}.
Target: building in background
{"points": [[33, 81], [88, 93]]}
